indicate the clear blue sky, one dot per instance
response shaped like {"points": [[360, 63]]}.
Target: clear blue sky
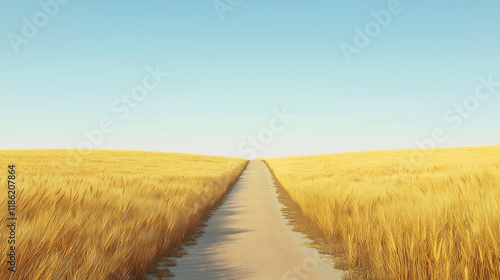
{"points": [[227, 76]]}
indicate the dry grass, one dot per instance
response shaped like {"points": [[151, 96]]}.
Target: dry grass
{"points": [[110, 216], [438, 219]]}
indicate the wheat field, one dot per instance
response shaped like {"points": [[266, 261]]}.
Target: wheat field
{"points": [[437, 217], [108, 215]]}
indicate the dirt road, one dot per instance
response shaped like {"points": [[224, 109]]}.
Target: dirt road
{"points": [[248, 238]]}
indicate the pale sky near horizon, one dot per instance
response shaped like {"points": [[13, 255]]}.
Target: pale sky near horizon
{"points": [[229, 77]]}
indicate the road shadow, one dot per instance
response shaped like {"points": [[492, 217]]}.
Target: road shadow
{"points": [[198, 251]]}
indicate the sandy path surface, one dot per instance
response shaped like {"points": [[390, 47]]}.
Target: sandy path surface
{"points": [[248, 238]]}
